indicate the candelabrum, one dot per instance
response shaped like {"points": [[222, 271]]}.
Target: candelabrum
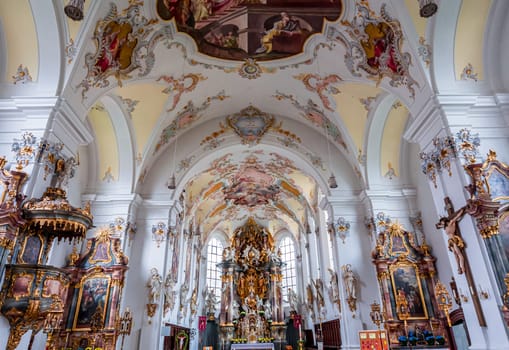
{"points": [[375, 314], [402, 309], [96, 324], [444, 300], [124, 325]]}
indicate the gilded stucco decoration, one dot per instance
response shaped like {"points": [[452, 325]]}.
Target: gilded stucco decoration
{"points": [[22, 75], [424, 51], [467, 144], [445, 149], [124, 44], [468, 73], [250, 124], [187, 116], [315, 115], [368, 102], [178, 86], [322, 86], [25, 149], [129, 104], [374, 45]]}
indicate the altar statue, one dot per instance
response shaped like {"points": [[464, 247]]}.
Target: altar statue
{"points": [[211, 302]]}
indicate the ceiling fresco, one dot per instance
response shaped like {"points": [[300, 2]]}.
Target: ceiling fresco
{"points": [[251, 183], [260, 29]]}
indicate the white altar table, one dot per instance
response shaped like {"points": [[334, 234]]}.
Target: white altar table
{"points": [[252, 346]]}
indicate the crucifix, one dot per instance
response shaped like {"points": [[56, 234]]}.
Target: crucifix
{"points": [[457, 246]]}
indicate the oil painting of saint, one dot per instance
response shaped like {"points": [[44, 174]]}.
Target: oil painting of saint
{"points": [[93, 295], [406, 283]]}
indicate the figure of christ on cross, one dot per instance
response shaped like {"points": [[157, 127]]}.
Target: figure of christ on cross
{"points": [[455, 242]]}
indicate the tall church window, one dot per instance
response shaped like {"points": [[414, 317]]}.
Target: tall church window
{"points": [[329, 240], [214, 256], [287, 248]]}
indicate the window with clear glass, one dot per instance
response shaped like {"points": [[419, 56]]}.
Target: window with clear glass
{"points": [[288, 271], [214, 256]]}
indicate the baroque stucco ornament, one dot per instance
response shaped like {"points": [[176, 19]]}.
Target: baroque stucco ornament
{"points": [[374, 45], [124, 44]]}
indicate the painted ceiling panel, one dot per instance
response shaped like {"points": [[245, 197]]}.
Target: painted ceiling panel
{"points": [[391, 141], [419, 22], [147, 102], [469, 36], [353, 111], [106, 143], [21, 37]]}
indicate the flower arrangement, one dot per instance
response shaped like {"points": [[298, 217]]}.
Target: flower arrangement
{"points": [[265, 340], [238, 340], [412, 340], [440, 340], [430, 340]]}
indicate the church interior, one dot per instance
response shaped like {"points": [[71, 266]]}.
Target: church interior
{"points": [[254, 174]]}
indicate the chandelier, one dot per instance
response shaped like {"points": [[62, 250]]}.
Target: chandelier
{"points": [[427, 8], [74, 9]]}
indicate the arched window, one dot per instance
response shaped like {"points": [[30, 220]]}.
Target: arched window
{"points": [[214, 256], [289, 270]]}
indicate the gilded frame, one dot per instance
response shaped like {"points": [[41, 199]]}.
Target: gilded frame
{"points": [[89, 294], [63, 287], [405, 276], [105, 256], [27, 287], [494, 192]]}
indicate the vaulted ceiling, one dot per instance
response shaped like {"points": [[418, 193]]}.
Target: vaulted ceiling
{"points": [[245, 131]]}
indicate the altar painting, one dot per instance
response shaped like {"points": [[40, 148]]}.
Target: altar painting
{"points": [[406, 281], [498, 185], [236, 29], [93, 295]]}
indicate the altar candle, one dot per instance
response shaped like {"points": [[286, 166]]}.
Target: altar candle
{"points": [[300, 331]]}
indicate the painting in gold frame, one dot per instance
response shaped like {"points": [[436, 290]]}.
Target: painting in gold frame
{"points": [[94, 293], [32, 250], [405, 277], [21, 285]]}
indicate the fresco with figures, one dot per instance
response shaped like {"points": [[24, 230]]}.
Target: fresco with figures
{"points": [[241, 29]]}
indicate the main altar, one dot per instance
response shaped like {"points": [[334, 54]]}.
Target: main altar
{"points": [[251, 303]]}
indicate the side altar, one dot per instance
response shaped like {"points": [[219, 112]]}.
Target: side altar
{"points": [[251, 303]]}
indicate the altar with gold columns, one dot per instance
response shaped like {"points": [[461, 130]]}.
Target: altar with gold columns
{"points": [[251, 302]]}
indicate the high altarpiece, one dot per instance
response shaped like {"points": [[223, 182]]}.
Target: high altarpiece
{"points": [[251, 303]]}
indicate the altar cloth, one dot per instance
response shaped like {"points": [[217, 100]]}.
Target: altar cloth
{"points": [[252, 346]]}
